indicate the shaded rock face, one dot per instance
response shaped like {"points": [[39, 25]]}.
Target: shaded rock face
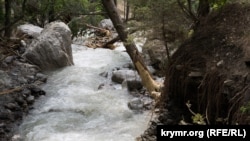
{"points": [[52, 48]]}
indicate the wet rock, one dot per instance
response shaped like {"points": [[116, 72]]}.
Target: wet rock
{"points": [[52, 48], [20, 100], [136, 104], [148, 103], [30, 99], [9, 59], [5, 80], [4, 115], [26, 92], [129, 66], [36, 91], [119, 76], [11, 106], [101, 86], [30, 78], [41, 77], [104, 74], [134, 84]]}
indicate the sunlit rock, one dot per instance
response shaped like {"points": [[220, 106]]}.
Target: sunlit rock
{"points": [[52, 48], [29, 29]]}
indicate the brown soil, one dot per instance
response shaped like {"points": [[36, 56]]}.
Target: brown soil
{"points": [[211, 69]]}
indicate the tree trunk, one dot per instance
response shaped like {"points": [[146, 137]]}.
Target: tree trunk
{"points": [[7, 31], [203, 8], [127, 11], [149, 83], [51, 10]]}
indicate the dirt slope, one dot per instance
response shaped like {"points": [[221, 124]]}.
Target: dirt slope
{"points": [[211, 70]]}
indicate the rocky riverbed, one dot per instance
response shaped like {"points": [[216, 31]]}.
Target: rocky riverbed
{"points": [[19, 87], [21, 81]]}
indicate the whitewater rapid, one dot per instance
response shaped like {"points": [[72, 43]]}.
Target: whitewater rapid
{"points": [[74, 109]]}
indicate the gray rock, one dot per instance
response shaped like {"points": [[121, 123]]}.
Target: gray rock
{"points": [[136, 104], [11, 106], [30, 99], [52, 48], [41, 77], [104, 74], [134, 84], [9, 59], [5, 80], [106, 24], [120, 75], [29, 29], [26, 92]]}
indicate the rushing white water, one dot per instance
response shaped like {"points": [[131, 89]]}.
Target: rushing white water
{"points": [[75, 110]]}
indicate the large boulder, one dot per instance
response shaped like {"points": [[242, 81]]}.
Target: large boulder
{"points": [[52, 48], [106, 24], [29, 29]]}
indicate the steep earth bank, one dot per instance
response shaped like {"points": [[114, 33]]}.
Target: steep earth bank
{"points": [[208, 79]]}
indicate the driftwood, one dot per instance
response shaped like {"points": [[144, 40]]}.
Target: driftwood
{"points": [[102, 31], [102, 38], [19, 88], [110, 43]]}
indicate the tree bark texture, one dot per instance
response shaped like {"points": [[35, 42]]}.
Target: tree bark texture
{"points": [[203, 8], [150, 84], [7, 32]]}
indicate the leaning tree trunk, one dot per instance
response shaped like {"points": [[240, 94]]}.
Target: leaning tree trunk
{"points": [[151, 85]]}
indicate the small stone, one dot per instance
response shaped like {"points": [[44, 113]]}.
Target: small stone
{"points": [[26, 92], [9, 59], [104, 74], [135, 104], [11, 106], [41, 77], [101, 86], [20, 100], [220, 63], [30, 99]]}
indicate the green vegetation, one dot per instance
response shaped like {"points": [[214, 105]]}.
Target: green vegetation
{"points": [[39, 12]]}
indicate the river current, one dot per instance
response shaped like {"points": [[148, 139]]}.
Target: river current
{"points": [[74, 109]]}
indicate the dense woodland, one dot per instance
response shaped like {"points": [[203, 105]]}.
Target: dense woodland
{"points": [[201, 31], [184, 13]]}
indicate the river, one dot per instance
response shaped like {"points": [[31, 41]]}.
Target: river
{"points": [[74, 109]]}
